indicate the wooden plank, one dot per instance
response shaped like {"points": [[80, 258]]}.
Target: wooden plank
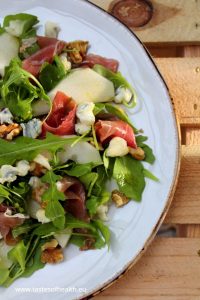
{"points": [[169, 270], [182, 76], [172, 22], [185, 207]]}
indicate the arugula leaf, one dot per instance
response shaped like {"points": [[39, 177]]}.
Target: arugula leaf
{"points": [[149, 156], [4, 274], [117, 79], [78, 170], [129, 176], [19, 89], [89, 181], [19, 24], [29, 43], [105, 232], [24, 228], [51, 74], [44, 230], [34, 263], [18, 254], [94, 202], [54, 210], [27, 148], [77, 240]]}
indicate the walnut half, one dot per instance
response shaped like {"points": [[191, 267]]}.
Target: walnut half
{"points": [[137, 153], [119, 198], [52, 255], [8, 132], [77, 51]]}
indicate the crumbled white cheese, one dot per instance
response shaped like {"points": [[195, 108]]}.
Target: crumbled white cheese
{"points": [[85, 114], [85, 117], [59, 186], [81, 128], [117, 147], [34, 182], [43, 161], [66, 63], [102, 211], [6, 116], [23, 167], [8, 214], [32, 129], [15, 27], [52, 29], [123, 94], [40, 215], [8, 173]]}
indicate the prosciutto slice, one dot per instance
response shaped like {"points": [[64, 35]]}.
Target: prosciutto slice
{"points": [[106, 130], [6, 224], [75, 194], [49, 48], [61, 120], [92, 59]]}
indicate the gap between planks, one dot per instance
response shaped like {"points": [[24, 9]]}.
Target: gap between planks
{"points": [[169, 270]]}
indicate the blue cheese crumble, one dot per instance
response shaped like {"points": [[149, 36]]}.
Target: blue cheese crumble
{"points": [[32, 129], [6, 116]]}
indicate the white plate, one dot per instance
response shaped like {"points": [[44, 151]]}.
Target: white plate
{"points": [[135, 224]]}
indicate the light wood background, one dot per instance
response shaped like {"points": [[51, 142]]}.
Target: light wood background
{"points": [[170, 269]]}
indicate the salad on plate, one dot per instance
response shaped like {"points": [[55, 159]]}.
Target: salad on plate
{"points": [[65, 137]]}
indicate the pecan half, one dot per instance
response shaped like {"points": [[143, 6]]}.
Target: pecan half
{"points": [[137, 153]]}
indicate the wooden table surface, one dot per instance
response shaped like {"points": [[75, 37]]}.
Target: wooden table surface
{"points": [[170, 269]]}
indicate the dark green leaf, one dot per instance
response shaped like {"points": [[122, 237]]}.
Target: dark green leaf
{"points": [[27, 148], [23, 20], [150, 175], [51, 74], [34, 263], [129, 176], [149, 156]]}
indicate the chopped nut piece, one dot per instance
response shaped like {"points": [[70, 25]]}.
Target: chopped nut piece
{"points": [[52, 256], [8, 132], [137, 153], [50, 245], [88, 244], [78, 51], [37, 169], [119, 198]]}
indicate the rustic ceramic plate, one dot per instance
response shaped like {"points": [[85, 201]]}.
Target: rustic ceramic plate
{"points": [[83, 273]]}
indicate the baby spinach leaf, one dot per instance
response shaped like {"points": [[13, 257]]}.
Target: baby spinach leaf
{"points": [[129, 176], [149, 156], [150, 175], [51, 74]]}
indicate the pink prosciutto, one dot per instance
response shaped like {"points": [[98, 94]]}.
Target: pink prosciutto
{"points": [[92, 59], [75, 194], [61, 120], [49, 48], [106, 130]]}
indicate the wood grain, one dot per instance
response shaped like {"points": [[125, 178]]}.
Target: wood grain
{"points": [[182, 76], [185, 207], [173, 21], [169, 270]]}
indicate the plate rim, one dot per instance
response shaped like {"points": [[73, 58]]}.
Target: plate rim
{"points": [[148, 242]]}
